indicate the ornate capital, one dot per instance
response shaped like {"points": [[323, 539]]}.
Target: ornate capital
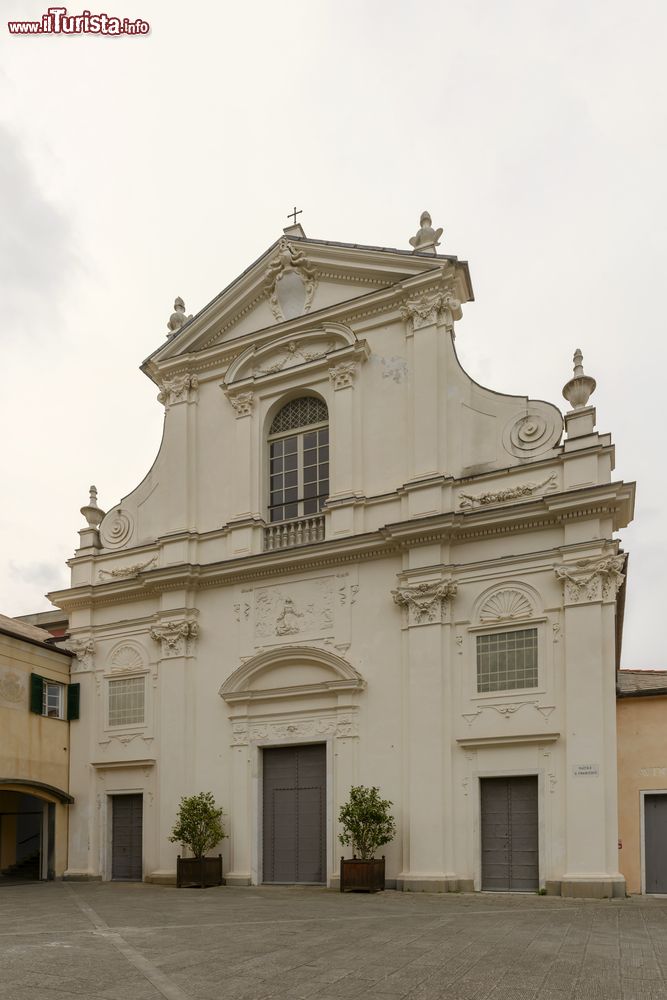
{"points": [[83, 648], [242, 402], [425, 602], [177, 636], [342, 376], [591, 579], [428, 307], [178, 389]]}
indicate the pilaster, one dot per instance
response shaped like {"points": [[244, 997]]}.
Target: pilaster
{"points": [[590, 586], [179, 395], [244, 520], [425, 602], [175, 633], [343, 446]]}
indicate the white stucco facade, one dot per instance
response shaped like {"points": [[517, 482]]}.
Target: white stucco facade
{"points": [[454, 512]]}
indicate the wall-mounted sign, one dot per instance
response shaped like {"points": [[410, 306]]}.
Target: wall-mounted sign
{"points": [[585, 770], [653, 772]]}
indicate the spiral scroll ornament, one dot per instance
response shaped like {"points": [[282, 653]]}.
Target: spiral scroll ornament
{"points": [[116, 529], [532, 433]]}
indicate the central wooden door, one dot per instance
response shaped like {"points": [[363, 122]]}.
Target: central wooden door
{"points": [[126, 837], [294, 813], [509, 834]]}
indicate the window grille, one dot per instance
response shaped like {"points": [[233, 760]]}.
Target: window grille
{"points": [[126, 701], [507, 660], [300, 413]]}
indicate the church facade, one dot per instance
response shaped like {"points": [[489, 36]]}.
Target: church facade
{"points": [[352, 564]]}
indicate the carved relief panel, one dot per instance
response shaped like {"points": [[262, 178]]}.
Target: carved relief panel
{"points": [[297, 612]]}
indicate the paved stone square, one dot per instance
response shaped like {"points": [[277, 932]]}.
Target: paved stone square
{"points": [[141, 942]]}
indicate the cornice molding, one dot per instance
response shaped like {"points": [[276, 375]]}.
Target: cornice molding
{"points": [[455, 527], [445, 272]]}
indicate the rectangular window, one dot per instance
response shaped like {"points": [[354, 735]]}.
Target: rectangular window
{"points": [[126, 702], [507, 660], [53, 700], [299, 474]]}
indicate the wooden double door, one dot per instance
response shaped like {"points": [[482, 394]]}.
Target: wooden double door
{"points": [[127, 821], [294, 814], [509, 810]]}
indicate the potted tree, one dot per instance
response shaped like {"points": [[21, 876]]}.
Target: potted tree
{"points": [[367, 824], [198, 828]]}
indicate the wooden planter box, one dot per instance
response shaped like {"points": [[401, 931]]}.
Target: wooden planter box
{"points": [[199, 872], [362, 875]]}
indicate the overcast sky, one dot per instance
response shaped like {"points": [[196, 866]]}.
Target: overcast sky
{"points": [[136, 169]]}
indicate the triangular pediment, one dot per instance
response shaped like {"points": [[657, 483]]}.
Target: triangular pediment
{"points": [[295, 279]]}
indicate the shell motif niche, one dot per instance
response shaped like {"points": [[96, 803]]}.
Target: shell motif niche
{"points": [[506, 605], [126, 657]]}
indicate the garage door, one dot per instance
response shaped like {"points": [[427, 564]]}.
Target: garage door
{"points": [[126, 837], [294, 799], [509, 834], [655, 842]]}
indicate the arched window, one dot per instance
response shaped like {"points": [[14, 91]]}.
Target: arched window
{"points": [[299, 459]]}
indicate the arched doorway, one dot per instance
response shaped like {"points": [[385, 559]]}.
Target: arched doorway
{"points": [[28, 819], [294, 732]]}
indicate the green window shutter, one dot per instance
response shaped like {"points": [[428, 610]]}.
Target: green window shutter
{"points": [[73, 698], [36, 694]]}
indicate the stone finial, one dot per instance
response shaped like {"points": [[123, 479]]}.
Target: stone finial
{"points": [[177, 318], [92, 513], [580, 388], [426, 238]]}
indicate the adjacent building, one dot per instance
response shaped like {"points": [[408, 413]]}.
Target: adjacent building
{"points": [[37, 702], [350, 563], [641, 713]]}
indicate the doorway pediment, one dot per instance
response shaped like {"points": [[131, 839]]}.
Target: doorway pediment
{"points": [[290, 672]]}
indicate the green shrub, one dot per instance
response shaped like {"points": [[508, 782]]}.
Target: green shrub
{"points": [[198, 824], [366, 821]]}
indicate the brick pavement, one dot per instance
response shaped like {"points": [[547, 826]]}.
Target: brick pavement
{"points": [[141, 942]]}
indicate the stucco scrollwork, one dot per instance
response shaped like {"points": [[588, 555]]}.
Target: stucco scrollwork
{"points": [[467, 500], [177, 389], [116, 529], [534, 431], [293, 354], [591, 579], [342, 375], [176, 636], [124, 572], [290, 268], [342, 727], [424, 602]]}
